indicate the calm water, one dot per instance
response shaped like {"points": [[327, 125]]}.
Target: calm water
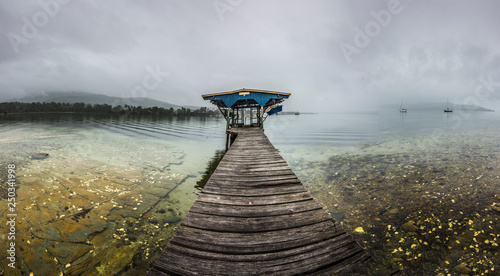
{"points": [[414, 189]]}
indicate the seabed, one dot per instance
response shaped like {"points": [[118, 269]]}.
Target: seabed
{"points": [[425, 208]]}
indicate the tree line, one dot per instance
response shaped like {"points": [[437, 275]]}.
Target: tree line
{"points": [[19, 107]]}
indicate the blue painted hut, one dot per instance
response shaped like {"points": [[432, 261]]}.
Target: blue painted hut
{"points": [[247, 107]]}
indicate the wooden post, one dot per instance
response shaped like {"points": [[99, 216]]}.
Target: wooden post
{"points": [[260, 115]]}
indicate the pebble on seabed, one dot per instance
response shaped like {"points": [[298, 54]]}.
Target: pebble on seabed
{"points": [[436, 212], [85, 184]]}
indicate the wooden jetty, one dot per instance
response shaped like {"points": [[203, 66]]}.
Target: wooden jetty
{"points": [[254, 217]]}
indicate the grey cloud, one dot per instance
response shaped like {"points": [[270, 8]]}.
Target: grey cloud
{"points": [[431, 50]]}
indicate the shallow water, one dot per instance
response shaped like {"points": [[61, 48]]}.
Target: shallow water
{"points": [[414, 189], [109, 196]]}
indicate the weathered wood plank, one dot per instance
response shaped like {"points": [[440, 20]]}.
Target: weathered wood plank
{"points": [[258, 224], [224, 163], [252, 161], [253, 179], [254, 247], [156, 272], [344, 264], [263, 169], [255, 153], [237, 174], [254, 200], [218, 209], [253, 184], [250, 165], [296, 253], [246, 150], [291, 265], [254, 217], [261, 242], [254, 191]]}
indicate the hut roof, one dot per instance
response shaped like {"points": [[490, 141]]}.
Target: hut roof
{"points": [[244, 97]]}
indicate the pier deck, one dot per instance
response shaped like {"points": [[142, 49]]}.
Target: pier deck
{"points": [[254, 217]]}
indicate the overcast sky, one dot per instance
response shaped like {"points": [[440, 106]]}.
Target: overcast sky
{"points": [[331, 55]]}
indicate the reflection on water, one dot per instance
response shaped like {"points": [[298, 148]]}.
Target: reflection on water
{"points": [[212, 165], [325, 130], [170, 128]]}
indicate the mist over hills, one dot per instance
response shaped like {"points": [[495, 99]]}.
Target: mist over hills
{"points": [[92, 98]]}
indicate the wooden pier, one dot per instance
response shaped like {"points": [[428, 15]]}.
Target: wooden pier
{"points": [[254, 217]]}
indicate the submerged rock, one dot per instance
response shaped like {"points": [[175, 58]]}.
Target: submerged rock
{"points": [[409, 227], [496, 207], [67, 252], [171, 219], [393, 211], [339, 216], [39, 155], [462, 269], [115, 261], [359, 230], [39, 260]]}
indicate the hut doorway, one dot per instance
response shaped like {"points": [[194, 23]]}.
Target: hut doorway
{"points": [[247, 117]]}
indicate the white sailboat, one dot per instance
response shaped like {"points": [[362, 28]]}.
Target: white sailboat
{"points": [[447, 108], [401, 109]]}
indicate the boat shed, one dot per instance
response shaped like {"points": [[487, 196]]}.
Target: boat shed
{"points": [[247, 107]]}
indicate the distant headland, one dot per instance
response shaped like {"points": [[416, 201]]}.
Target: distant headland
{"points": [[83, 102]]}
